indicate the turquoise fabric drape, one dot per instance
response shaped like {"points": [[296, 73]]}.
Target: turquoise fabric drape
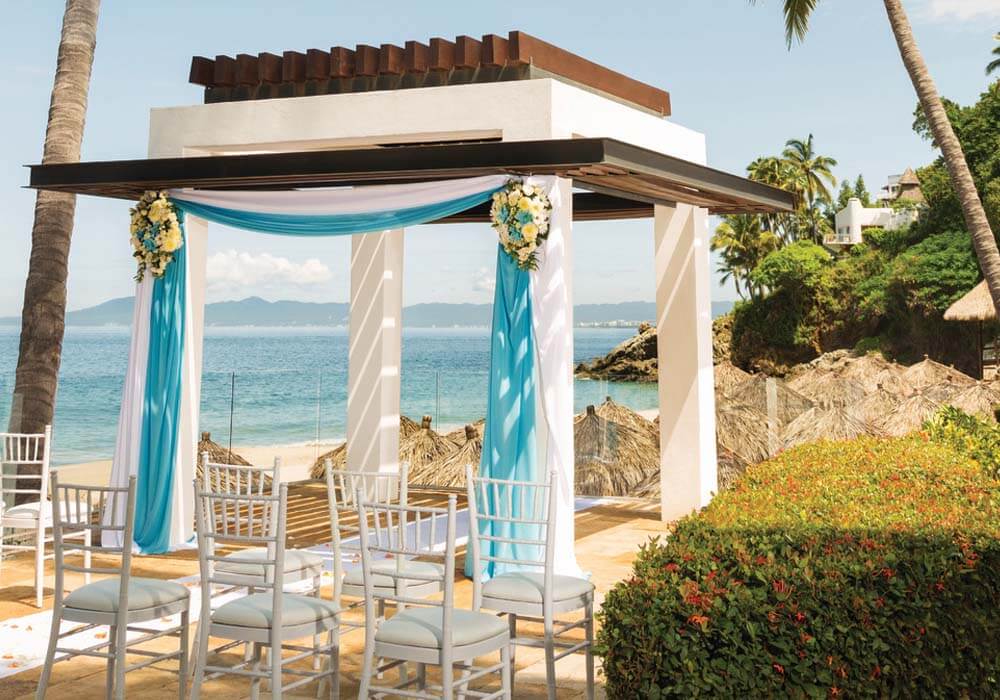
{"points": [[161, 407], [509, 440], [333, 224]]}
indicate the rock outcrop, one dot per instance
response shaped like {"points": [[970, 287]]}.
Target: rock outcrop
{"points": [[632, 360]]}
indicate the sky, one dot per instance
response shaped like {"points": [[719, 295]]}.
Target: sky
{"points": [[723, 61]]}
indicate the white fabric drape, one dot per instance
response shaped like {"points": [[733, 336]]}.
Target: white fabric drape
{"points": [[126, 457], [346, 200], [552, 323]]}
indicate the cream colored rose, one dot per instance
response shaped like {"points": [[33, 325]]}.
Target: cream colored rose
{"points": [[529, 232]]}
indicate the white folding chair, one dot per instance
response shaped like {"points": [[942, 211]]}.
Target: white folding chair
{"points": [[122, 602], [516, 518], [35, 511], [245, 567], [426, 631], [270, 619]]}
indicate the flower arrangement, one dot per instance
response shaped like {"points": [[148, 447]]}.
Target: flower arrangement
{"points": [[156, 233], [520, 214]]}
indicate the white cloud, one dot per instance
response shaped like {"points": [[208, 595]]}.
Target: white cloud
{"points": [[483, 280], [234, 273], [960, 10]]}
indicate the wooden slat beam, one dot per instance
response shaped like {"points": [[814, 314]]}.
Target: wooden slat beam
{"points": [[341, 62], [202, 71], [269, 68], [442, 54], [416, 57], [247, 72], [317, 64], [468, 52], [390, 60], [225, 71], [365, 60], [293, 67]]}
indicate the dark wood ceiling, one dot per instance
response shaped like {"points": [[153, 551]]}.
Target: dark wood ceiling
{"points": [[491, 58], [624, 173]]}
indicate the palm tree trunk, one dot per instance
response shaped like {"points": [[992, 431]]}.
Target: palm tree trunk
{"points": [[44, 314], [954, 158]]}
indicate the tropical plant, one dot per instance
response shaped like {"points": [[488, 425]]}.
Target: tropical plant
{"points": [[44, 315], [994, 65], [861, 192], [797, 14], [742, 243], [811, 177]]}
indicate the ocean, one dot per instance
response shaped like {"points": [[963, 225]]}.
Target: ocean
{"points": [[281, 386]]}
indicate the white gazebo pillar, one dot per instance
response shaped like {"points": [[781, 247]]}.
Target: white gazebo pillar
{"points": [[374, 353], [688, 462]]}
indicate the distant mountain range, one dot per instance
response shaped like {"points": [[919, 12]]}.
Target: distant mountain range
{"points": [[254, 311]]}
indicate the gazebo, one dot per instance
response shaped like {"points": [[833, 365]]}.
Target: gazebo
{"points": [[328, 133], [977, 306]]}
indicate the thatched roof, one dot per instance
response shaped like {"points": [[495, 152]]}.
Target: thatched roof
{"points": [[460, 435], [623, 415], [753, 393], [742, 429], [830, 389], [611, 458], [836, 423], [877, 405], [873, 371], [980, 399], [217, 453], [943, 392], [731, 468], [450, 471], [728, 376], [407, 426], [424, 446], [927, 372], [910, 415], [338, 455], [977, 305]]}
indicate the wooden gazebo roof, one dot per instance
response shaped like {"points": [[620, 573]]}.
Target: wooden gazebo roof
{"points": [[437, 62], [624, 180], [977, 305]]}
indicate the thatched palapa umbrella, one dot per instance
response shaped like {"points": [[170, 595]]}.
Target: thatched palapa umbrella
{"points": [[788, 403], [910, 415], [928, 372], [944, 392], [217, 454], [623, 415], [835, 423], [611, 458], [872, 371], [980, 399], [877, 405], [977, 306], [450, 471], [830, 389], [338, 455], [461, 435], [424, 446], [742, 430], [728, 377]]}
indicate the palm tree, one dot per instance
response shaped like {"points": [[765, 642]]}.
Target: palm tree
{"points": [[743, 244], [797, 14], [44, 315], [813, 175], [994, 65], [777, 172]]}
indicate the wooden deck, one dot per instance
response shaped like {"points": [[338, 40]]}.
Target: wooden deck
{"points": [[607, 537]]}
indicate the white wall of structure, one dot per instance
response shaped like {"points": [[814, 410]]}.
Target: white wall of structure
{"points": [[850, 222], [513, 111]]}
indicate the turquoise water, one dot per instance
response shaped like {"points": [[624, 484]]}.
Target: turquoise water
{"points": [[287, 386]]}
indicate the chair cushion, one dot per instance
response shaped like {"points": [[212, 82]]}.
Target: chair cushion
{"points": [[143, 593], [421, 627], [528, 586], [247, 562], [355, 577], [255, 611], [29, 511]]}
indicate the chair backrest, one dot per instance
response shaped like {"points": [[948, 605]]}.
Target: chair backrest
{"points": [[218, 477], [514, 522], [76, 509], [403, 533], [341, 493], [24, 449], [222, 521]]}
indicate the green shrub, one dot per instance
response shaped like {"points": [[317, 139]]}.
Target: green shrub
{"points": [[968, 435], [867, 568]]}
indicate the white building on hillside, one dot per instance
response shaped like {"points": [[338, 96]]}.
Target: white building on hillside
{"points": [[851, 221]]}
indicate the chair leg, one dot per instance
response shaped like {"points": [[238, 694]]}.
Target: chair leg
{"points": [[512, 623], [333, 639], [447, 680], [506, 670], [120, 659], [422, 676], [201, 654], [274, 656], [550, 658], [39, 565], [589, 612], [255, 683], [318, 638], [182, 675], [366, 668], [463, 684], [50, 655], [109, 672]]}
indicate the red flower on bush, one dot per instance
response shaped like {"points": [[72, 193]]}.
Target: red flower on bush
{"points": [[671, 566], [700, 620], [778, 668]]}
